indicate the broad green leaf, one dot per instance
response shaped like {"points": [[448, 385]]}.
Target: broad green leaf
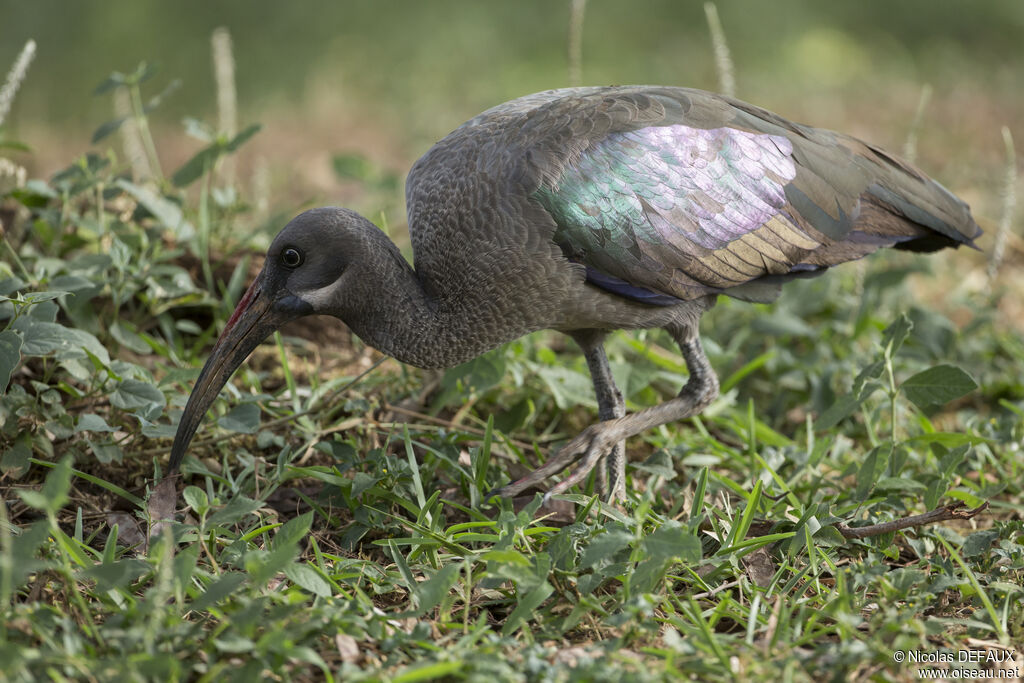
{"points": [[127, 337], [131, 394], [15, 460], [671, 541], [105, 452], [431, 592], [979, 542], [526, 606], [568, 387], [114, 80], [894, 335], [479, 374], [10, 356], [108, 127], [949, 439], [192, 169], [163, 209], [306, 577], [118, 574], [293, 531], [244, 418], [55, 489], [44, 338], [90, 422], [602, 547], [237, 508], [218, 590], [242, 137], [844, 406], [262, 566], [23, 554], [937, 386], [196, 499]]}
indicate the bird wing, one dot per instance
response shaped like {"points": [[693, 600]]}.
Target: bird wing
{"points": [[672, 194]]}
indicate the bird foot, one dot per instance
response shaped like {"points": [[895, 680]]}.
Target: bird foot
{"points": [[587, 449]]}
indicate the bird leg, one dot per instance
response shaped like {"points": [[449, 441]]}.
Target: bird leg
{"points": [[597, 440], [610, 405]]}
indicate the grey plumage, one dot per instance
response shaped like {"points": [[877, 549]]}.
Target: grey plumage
{"points": [[585, 211]]}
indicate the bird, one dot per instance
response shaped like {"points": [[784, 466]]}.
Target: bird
{"points": [[589, 210]]}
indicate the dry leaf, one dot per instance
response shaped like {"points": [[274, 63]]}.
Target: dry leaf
{"points": [[129, 531], [162, 502]]}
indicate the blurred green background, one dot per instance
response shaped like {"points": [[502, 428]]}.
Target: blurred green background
{"points": [[386, 79]]}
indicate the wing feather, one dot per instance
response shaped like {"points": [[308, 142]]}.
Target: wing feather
{"points": [[685, 193]]}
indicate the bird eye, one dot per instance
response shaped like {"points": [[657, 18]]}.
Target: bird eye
{"points": [[291, 257]]}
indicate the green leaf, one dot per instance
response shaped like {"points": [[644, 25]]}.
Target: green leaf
{"points": [[125, 335], [949, 439], [526, 606], [844, 406], [10, 356], [431, 592], [670, 541], [242, 137], [306, 577], [131, 394], [871, 469], [23, 554], [15, 460], [894, 335], [108, 127], [90, 422], [218, 590], [244, 418], [568, 387], [937, 386], [44, 338], [107, 452], [163, 209], [118, 574], [293, 531], [114, 80], [479, 374], [603, 547], [352, 167], [55, 490], [237, 508], [263, 566], [979, 542], [431, 671], [192, 169], [196, 499]]}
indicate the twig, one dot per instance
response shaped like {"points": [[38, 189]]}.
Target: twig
{"points": [[723, 58], [576, 10], [910, 146], [1009, 205], [942, 514]]}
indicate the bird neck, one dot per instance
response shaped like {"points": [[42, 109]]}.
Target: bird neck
{"points": [[392, 308]]}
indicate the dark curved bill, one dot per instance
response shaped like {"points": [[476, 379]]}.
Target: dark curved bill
{"points": [[252, 322]]}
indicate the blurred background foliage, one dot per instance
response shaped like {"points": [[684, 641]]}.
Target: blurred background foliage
{"points": [[389, 78]]}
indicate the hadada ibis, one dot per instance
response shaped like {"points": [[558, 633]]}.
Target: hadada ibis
{"points": [[588, 210]]}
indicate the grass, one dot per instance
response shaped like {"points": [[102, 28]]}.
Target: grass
{"points": [[333, 525]]}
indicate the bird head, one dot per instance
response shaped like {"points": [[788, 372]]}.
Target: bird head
{"points": [[306, 272]]}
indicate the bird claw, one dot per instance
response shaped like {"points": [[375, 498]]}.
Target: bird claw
{"points": [[587, 448]]}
